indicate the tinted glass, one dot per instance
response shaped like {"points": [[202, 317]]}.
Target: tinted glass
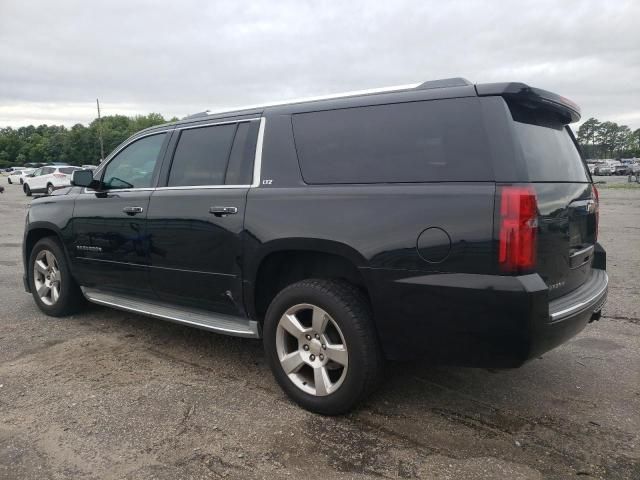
{"points": [[550, 154], [48, 170], [68, 170], [439, 140], [240, 168], [201, 156], [133, 167]]}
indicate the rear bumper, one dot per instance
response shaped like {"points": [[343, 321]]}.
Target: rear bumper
{"points": [[479, 320]]}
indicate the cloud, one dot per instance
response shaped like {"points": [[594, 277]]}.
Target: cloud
{"points": [[177, 58]]}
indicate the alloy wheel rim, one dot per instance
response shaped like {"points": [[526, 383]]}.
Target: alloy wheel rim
{"points": [[46, 277], [312, 350]]}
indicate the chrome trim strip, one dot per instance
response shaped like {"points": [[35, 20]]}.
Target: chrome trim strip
{"points": [[580, 252], [226, 122], [200, 187], [581, 305], [257, 162], [353, 93], [252, 331]]}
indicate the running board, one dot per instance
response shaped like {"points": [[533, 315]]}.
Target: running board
{"points": [[211, 321]]}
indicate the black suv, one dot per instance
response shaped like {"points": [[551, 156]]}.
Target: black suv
{"points": [[445, 220]]}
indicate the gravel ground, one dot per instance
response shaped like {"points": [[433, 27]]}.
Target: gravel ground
{"points": [[109, 395]]}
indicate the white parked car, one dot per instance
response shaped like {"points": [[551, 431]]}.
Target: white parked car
{"points": [[18, 175], [47, 179]]}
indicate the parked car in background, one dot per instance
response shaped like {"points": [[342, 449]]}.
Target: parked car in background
{"points": [[622, 169], [47, 179], [605, 170], [18, 176]]}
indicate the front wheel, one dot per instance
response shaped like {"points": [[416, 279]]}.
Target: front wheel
{"points": [[52, 286], [321, 345], [9, 180]]}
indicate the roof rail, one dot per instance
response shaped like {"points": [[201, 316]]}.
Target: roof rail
{"points": [[445, 82]]}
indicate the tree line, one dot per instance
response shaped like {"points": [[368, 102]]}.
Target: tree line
{"points": [[608, 140], [78, 145]]}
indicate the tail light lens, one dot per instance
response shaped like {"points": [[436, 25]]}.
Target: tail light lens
{"points": [[518, 229], [596, 196]]}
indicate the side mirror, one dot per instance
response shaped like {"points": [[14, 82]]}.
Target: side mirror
{"points": [[82, 178]]}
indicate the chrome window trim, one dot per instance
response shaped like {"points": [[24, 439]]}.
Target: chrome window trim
{"points": [[257, 162]]}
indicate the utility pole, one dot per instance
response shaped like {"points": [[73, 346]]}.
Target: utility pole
{"points": [[100, 132]]}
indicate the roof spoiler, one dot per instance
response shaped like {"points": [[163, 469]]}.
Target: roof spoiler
{"points": [[535, 97]]}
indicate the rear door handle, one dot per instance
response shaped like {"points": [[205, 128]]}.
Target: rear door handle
{"points": [[132, 210], [222, 211]]}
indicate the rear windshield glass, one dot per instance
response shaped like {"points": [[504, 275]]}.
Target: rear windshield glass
{"points": [[550, 155], [68, 170], [428, 141]]}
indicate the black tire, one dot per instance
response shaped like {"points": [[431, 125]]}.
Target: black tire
{"points": [[27, 190], [9, 180], [350, 310], [70, 299], [50, 189]]}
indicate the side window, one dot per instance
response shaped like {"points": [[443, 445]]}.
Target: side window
{"points": [[243, 153], [37, 172], [201, 156], [133, 167], [427, 141]]}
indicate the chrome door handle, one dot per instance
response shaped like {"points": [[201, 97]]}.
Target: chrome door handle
{"points": [[222, 211], [132, 210]]}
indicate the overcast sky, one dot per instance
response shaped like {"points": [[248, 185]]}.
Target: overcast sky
{"points": [[180, 57]]}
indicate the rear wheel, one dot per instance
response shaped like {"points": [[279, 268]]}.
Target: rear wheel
{"points": [[27, 190], [9, 180], [49, 189], [321, 345], [52, 286]]}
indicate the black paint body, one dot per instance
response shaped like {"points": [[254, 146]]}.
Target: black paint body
{"points": [[438, 294]]}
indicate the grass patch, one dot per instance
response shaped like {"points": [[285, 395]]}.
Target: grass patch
{"points": [[620, 186]]}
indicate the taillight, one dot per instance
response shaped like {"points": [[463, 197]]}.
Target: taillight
{"points": [[518, 227], [596, 195]]}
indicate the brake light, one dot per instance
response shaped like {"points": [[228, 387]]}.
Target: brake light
{"points": [[518, 229], [596, 195]]}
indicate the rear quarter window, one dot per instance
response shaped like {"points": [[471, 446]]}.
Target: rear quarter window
{"points": [[429, 141]]}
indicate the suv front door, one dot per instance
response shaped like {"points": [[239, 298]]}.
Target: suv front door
{"points": [[196, 218], [110, 248]]}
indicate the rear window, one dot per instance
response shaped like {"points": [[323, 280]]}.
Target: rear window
{"points": [[438, 140], [549, 152], [68, 170]]}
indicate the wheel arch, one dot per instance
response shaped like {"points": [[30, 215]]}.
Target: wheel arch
{"points": [[292, 260], [36, 232]]}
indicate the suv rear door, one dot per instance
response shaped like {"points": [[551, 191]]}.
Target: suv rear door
{"points": [[196, 218]]}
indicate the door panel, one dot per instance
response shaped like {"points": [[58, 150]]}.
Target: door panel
{"points": [[110, 248], [195, 255]]}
